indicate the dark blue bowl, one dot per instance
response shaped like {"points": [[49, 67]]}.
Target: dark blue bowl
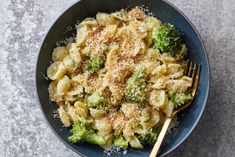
{"points": [[163, 11]]}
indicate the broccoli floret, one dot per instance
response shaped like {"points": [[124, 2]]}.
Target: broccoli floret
{"points": [[120, 142], [82, 131], [95, 64], [78, 131], [145, 114], [137, 86], [95, 139], [95, 100], [167, 38], [180, 98], [149, 138]]}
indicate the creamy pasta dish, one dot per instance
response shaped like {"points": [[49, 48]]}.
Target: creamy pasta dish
{"points": [[120, 78]]}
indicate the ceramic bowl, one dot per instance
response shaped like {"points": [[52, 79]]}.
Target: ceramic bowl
{"points": [[88, 8]]}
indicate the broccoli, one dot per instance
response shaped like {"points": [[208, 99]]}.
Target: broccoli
{"points": [[95, 100], [167, 38], [180, 98], [136, 86], [78, 131], [145, 113], [149, 138], [82, 131], [120, 142], [95, 139], [95, 64]]}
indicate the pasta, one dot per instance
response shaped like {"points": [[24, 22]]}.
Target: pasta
{"points": [[64, 116], [158, 98], [116, 84], [68, 63], [59, 54], [63, 85], [56, 70]]}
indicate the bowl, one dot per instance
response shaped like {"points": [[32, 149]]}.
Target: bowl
{"points": [[163, 10]]}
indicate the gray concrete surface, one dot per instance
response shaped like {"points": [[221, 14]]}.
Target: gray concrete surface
{"points": [[24, 132]]}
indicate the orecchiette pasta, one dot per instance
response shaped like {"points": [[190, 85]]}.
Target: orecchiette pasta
{"points": [[72, 112], [59, 54], [109, 31], [103, 126], [154, 119], [82, 35], [152, 22], [129, 129], [135, 143], [91, 22], [75, 55], [64, 116], [153, 54], [160, 70], [97, 113], [68, 63], [56, 70], [175, 70], [75, 91], [116, 83], [166, 58], [53, 92], [63, 85], [179, 85], [105, 19], [81, 108], [160, 83], [168, 109]]}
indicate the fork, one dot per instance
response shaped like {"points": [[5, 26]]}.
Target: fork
{"points": [[192, 71]]}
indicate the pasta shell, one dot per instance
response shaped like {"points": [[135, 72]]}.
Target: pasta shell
{"points": [[158, 98], [63, 85], [59, 54], [64, 116], [56, 70]]}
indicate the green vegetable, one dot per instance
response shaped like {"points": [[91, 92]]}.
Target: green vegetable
{"points": [[180, 98], [167, 38], [145, 113], [82, 131], [95, 139], [150, 137], [120, 142], [137, 86], [95, 64], [95, 100]]}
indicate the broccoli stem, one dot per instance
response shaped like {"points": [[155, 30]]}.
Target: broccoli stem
{"points": [[120, 142]]}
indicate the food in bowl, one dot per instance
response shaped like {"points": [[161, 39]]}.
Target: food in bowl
{"points": [[119, 80]]}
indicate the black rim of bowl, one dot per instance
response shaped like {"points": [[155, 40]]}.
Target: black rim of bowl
{"points": [[204, 103]]}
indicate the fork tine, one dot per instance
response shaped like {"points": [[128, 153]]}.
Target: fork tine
{"points": [[194, 70], [186, 69], [190, 69], [196, 80]]}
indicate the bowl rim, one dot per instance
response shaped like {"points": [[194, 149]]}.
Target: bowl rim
{"points": [[203, 104]]}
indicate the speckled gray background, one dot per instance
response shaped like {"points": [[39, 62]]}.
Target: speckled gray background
{"points": [[24, 132]]}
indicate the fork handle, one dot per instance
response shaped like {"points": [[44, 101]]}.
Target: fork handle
{"points": [[160, 138]]}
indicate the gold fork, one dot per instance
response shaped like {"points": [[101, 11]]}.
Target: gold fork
{"points": [[192, 71]]}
